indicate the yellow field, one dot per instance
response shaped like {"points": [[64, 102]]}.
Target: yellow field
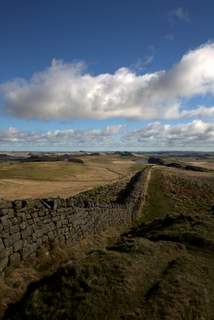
{"points": [[204, 164], [45, 179]]}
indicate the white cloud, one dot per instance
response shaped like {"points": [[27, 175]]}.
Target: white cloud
{"points": [[192, 135], [199, 112], [58, 138], [67, 91], [196, 135]]}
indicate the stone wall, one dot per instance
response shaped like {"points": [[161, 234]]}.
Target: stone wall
{"points": [[27, 225]]}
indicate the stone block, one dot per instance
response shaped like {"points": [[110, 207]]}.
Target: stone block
{"points": [[5, 204], [2, 246], [23, 225], [18, 204], [18, 245], [26, 233], [41, 213], [34, 214], [15, 259], [3, 263], [8, 242], [28, 250], [11, 214], [21, 215], [45, 239], [50, 235], [5, 221], [16, 236], [30, 222], [28, 216], [14, 229]]}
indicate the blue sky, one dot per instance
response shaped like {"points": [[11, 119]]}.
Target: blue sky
{"points": [[82, 66]]}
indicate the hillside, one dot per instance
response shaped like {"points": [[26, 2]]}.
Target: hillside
{"points": [[161, 268], [178, 191], [25, 179]]}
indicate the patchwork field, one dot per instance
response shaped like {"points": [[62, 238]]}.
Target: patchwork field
{"points": [[60, 178]]}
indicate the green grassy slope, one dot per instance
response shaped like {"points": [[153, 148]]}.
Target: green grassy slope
{"points": [[178, 191]]}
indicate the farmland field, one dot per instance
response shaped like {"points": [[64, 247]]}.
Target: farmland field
{"points": [[60, 178]]}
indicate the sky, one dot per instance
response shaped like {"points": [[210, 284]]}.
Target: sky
{"points": [[106, 75]]}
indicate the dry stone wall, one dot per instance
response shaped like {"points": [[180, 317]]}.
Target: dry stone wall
{"points": [[27, 225]]}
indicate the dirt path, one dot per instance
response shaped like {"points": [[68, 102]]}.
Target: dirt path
{"points": [[146, 186]]}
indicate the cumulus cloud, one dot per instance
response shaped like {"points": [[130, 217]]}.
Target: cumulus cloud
{"points": [[192, 135], [67, 91], [199, 112], [59, 138]]}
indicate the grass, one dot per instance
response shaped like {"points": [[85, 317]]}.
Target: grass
{"points": [[138, 167], [49, 171], [60, 170], [60, 178], [178, 191], [157, 202], [140, 277], [15, 282]]}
